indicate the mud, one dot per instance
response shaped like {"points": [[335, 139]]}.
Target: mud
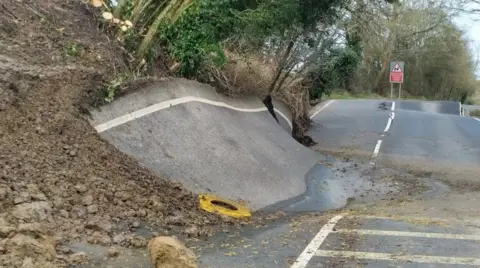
{"points": [[55, 171]]}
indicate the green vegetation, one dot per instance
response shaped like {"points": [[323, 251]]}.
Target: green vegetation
{"points": [[300, 49], [475, 113], [72, 50], [343, 94]]}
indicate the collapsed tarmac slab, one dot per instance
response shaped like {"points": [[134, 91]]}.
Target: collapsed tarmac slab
{"points": [[232, 148]]}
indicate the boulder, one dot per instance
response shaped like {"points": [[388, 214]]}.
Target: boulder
{"points": [[168, 252], [32, 212], [41, 249]]}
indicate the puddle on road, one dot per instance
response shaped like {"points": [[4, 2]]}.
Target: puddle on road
{"points": [[336, 184]]}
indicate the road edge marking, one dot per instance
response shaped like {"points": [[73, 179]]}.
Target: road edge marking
{"points": [[173, 102], [389, 122], [316, 242], [398, 257], [433, 220], [409, 234], [321, 109], [376, 151]]}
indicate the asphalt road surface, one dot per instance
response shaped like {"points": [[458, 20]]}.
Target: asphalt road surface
{"points": [[438, 228]]}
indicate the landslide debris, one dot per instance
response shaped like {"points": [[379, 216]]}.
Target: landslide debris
{"points": [[59, 181]]}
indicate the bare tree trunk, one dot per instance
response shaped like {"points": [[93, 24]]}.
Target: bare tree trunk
{"points": [[281, 66]]}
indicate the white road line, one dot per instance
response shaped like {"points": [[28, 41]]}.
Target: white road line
{"points": [[476, 119], [409, 234], [433, 220], [398, 257], [166, 104], [389, 122], [316, 242], [393, 106], [376, 151], [323, 108]]}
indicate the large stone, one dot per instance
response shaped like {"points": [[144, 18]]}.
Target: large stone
{"points": [[168, 252], [35, 211], [87, 200], [5, 231], [42, 248], [78, 258]]}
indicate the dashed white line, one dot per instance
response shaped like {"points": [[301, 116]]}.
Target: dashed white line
{"points": [[166, 104], [409, 234], [398, 257], [316, 242], [387, 128], [321, 109], [375, 152], [389, 122]]}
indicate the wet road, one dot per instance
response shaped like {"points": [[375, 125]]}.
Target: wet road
{"points": [[432, 131], [387, 233]]}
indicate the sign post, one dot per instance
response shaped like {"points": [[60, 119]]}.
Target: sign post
{"points": [[396, 76]]}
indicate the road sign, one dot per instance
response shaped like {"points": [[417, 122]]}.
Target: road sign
{"points": [[397, 71]]}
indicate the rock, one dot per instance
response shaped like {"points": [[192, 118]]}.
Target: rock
{"points": [[92, 209], [135, 224], [5, 231], [64, 250], [40, 130], [3, 242], [122, 195], [35, 211], [24, 197], [39, 197], [42, 248], [87, 200], [142, 212], [169, 252], [174, 220], [118, 239], [32, 229], [3, 193], [18, 200], [113, 252], [99, 225], [58, 202], [155, 204], [80, 188], [137, 241], [192, 231], [79, 258], [99, 238], [28, 263], [79, 211], [64, 213]]}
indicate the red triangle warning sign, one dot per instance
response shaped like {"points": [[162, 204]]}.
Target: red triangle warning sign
{"points": [[397, 69]]}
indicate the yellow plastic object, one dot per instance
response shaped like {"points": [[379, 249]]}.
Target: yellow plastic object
{"points": [[217, 205]]}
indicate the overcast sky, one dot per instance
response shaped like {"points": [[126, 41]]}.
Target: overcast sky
{"points": [[471, 25]]}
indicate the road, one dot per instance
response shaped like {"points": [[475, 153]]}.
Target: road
{"points": [[440, 228], [404, 182]]}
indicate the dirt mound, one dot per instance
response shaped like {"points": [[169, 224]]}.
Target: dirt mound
{"points": [[58, 179]]}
